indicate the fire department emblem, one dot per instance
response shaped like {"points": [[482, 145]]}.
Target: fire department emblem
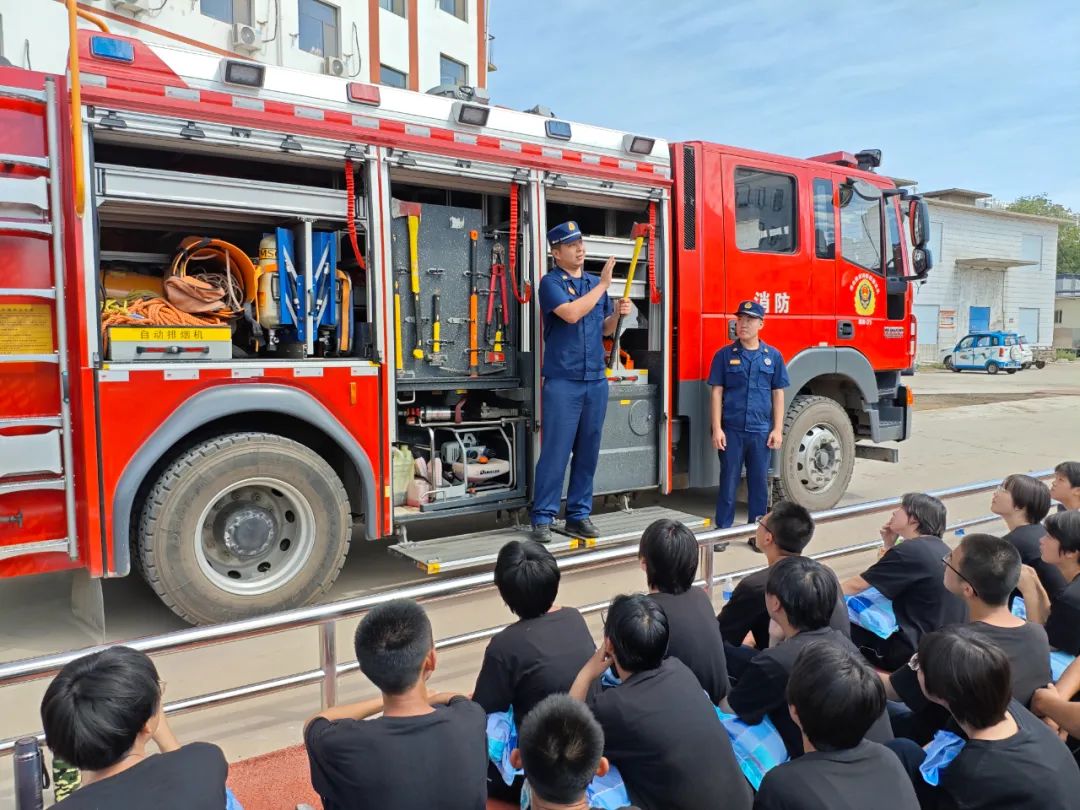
{"points": [[864, 298]]}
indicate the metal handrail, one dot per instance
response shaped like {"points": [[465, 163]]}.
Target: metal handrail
{"points": [[326, 616]]}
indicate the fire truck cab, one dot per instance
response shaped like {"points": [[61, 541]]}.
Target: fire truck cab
{"points": [[245, 308]]}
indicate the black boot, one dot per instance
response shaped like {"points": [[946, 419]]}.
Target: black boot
{"points": [[582, 528], [541, 533]]}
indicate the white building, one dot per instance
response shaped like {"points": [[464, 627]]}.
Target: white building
{"points": [[415, 44], [993, 269]]}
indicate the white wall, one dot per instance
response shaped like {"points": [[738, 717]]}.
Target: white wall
{"points": [[967, 233]]}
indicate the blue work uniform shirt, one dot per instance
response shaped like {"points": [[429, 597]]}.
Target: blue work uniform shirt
{"points": [[749, 377], [572, 351]]}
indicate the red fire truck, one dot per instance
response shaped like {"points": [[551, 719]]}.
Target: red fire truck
{"points": [[244, 309]]}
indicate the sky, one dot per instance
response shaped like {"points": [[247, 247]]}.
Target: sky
{"points": [[973, 94]]}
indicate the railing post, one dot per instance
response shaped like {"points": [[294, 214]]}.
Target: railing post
{"points": [[328, 663], [707, 564]]}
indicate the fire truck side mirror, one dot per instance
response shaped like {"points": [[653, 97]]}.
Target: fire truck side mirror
{"points": [[919, 217], [922, 259]]}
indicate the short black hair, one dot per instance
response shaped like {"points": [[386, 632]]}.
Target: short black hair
{"points": [[96, 706], [391, 643], [791, 525], [967, 671], [1071, 471], [1065, 528], [1029, 494], [836, 695], [527, 577], [637, 627], [561, 744], [807, 590], [927, 511], [670, 552], [991, 566]]}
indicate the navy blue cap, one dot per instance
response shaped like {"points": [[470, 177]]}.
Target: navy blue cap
{"points": [[564, 233], [751, 308]]}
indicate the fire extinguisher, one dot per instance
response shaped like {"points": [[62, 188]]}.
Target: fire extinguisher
{"points": [[269, 294]]}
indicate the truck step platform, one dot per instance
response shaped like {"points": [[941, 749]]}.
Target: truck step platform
{"points": [[480, 549]]}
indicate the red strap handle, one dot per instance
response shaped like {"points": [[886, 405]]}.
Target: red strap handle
{"points": [[511, 262], [654, 291], [350, 188]]}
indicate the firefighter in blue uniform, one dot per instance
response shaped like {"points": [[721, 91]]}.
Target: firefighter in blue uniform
{"points": [[577, 315], [748, 379]]}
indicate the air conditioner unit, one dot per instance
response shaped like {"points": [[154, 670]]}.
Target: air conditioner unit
{"points": [[333, 66], [132, 6], [245, 38]]}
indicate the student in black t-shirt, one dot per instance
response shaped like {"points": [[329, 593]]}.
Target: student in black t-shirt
{"points": [[909, 574], [668, 553], [983, 571], [100, 713], [1010, 760], [561, 748], [536, 656], [660, 730], [426, 750], [744, 622], [833, 697], [1022, 502], [1065, 488], [800, 595], [1061, 548]]}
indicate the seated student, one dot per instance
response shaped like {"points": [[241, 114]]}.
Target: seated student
{"points": [[833, 697], [800, 595], [426, 750], [784, 532], [660, 730], [983, 571], [561, 748], [1055, 702], [99, 714], [908, 573], [536, 656], [669, 555], [1009, 759], [1022, 502], [1060, 547], [1065, 488]]}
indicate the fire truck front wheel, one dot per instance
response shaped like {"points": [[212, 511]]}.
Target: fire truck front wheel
{"points": [[818, 453], [243, 524]]}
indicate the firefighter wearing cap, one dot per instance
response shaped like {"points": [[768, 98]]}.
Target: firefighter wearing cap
{"points": [[577, 314], [748, 379]]}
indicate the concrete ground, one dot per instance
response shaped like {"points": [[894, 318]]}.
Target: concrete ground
{"points": [[969, 427]]}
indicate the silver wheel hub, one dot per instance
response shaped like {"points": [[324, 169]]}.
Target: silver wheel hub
{"points": [[254, 536], [819, 458]]}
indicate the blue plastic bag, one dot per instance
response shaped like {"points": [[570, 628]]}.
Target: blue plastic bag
{"points": [[231, 802], [606, 792], [940, 751], [758, 748], [1059, 662], [502, 738], [872, 611]]}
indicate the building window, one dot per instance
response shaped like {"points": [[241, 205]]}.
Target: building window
{"points": [[459, 8], [228, 11], [824, 220], [937, 236], [452, 71], [764, 212], [860, 230], [1031, 249], [1057, 315], [319, 28], [396, 6], [393, 78]]}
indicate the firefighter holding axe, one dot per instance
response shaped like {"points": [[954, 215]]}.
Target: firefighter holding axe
{"points": [[577, 315]]}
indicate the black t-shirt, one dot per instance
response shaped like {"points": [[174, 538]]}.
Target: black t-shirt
{"points": [[1026, 540], [402, 763], [911, 574], [190, 778], [663, 735], [1031, 770], [1063, 623], [762, 689], [695, 639], [745, 613], [866, 777], [531, 659]]}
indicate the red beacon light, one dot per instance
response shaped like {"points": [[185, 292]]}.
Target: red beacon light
{"points": [[364, 94]]}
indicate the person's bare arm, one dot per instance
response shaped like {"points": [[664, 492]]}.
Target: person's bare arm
{"points": [[1036, 599], [164, 738], [1048, 703], [886, 681], [1069, 682], [574, 311], [593, 669], [351, 711], [719, 440], [854, 585], [611, 322], [776, 437]]}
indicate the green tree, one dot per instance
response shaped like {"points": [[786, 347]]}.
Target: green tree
{"points": [[1068, 247]]}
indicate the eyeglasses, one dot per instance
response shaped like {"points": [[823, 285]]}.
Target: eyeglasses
{"points": [[761, 522], [947, 561], [913, 663]]}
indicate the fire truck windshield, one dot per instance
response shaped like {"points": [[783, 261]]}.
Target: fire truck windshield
{"points": [[860, 225]]}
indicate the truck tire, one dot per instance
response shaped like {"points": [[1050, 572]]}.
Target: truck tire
{"points": [[1040, 364], [1010, 371], [818, 453], [243, 524], [992, 367]]}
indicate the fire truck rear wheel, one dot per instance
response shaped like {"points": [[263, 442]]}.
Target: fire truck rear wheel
{"points": [[243, 524], [818, 453]]}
